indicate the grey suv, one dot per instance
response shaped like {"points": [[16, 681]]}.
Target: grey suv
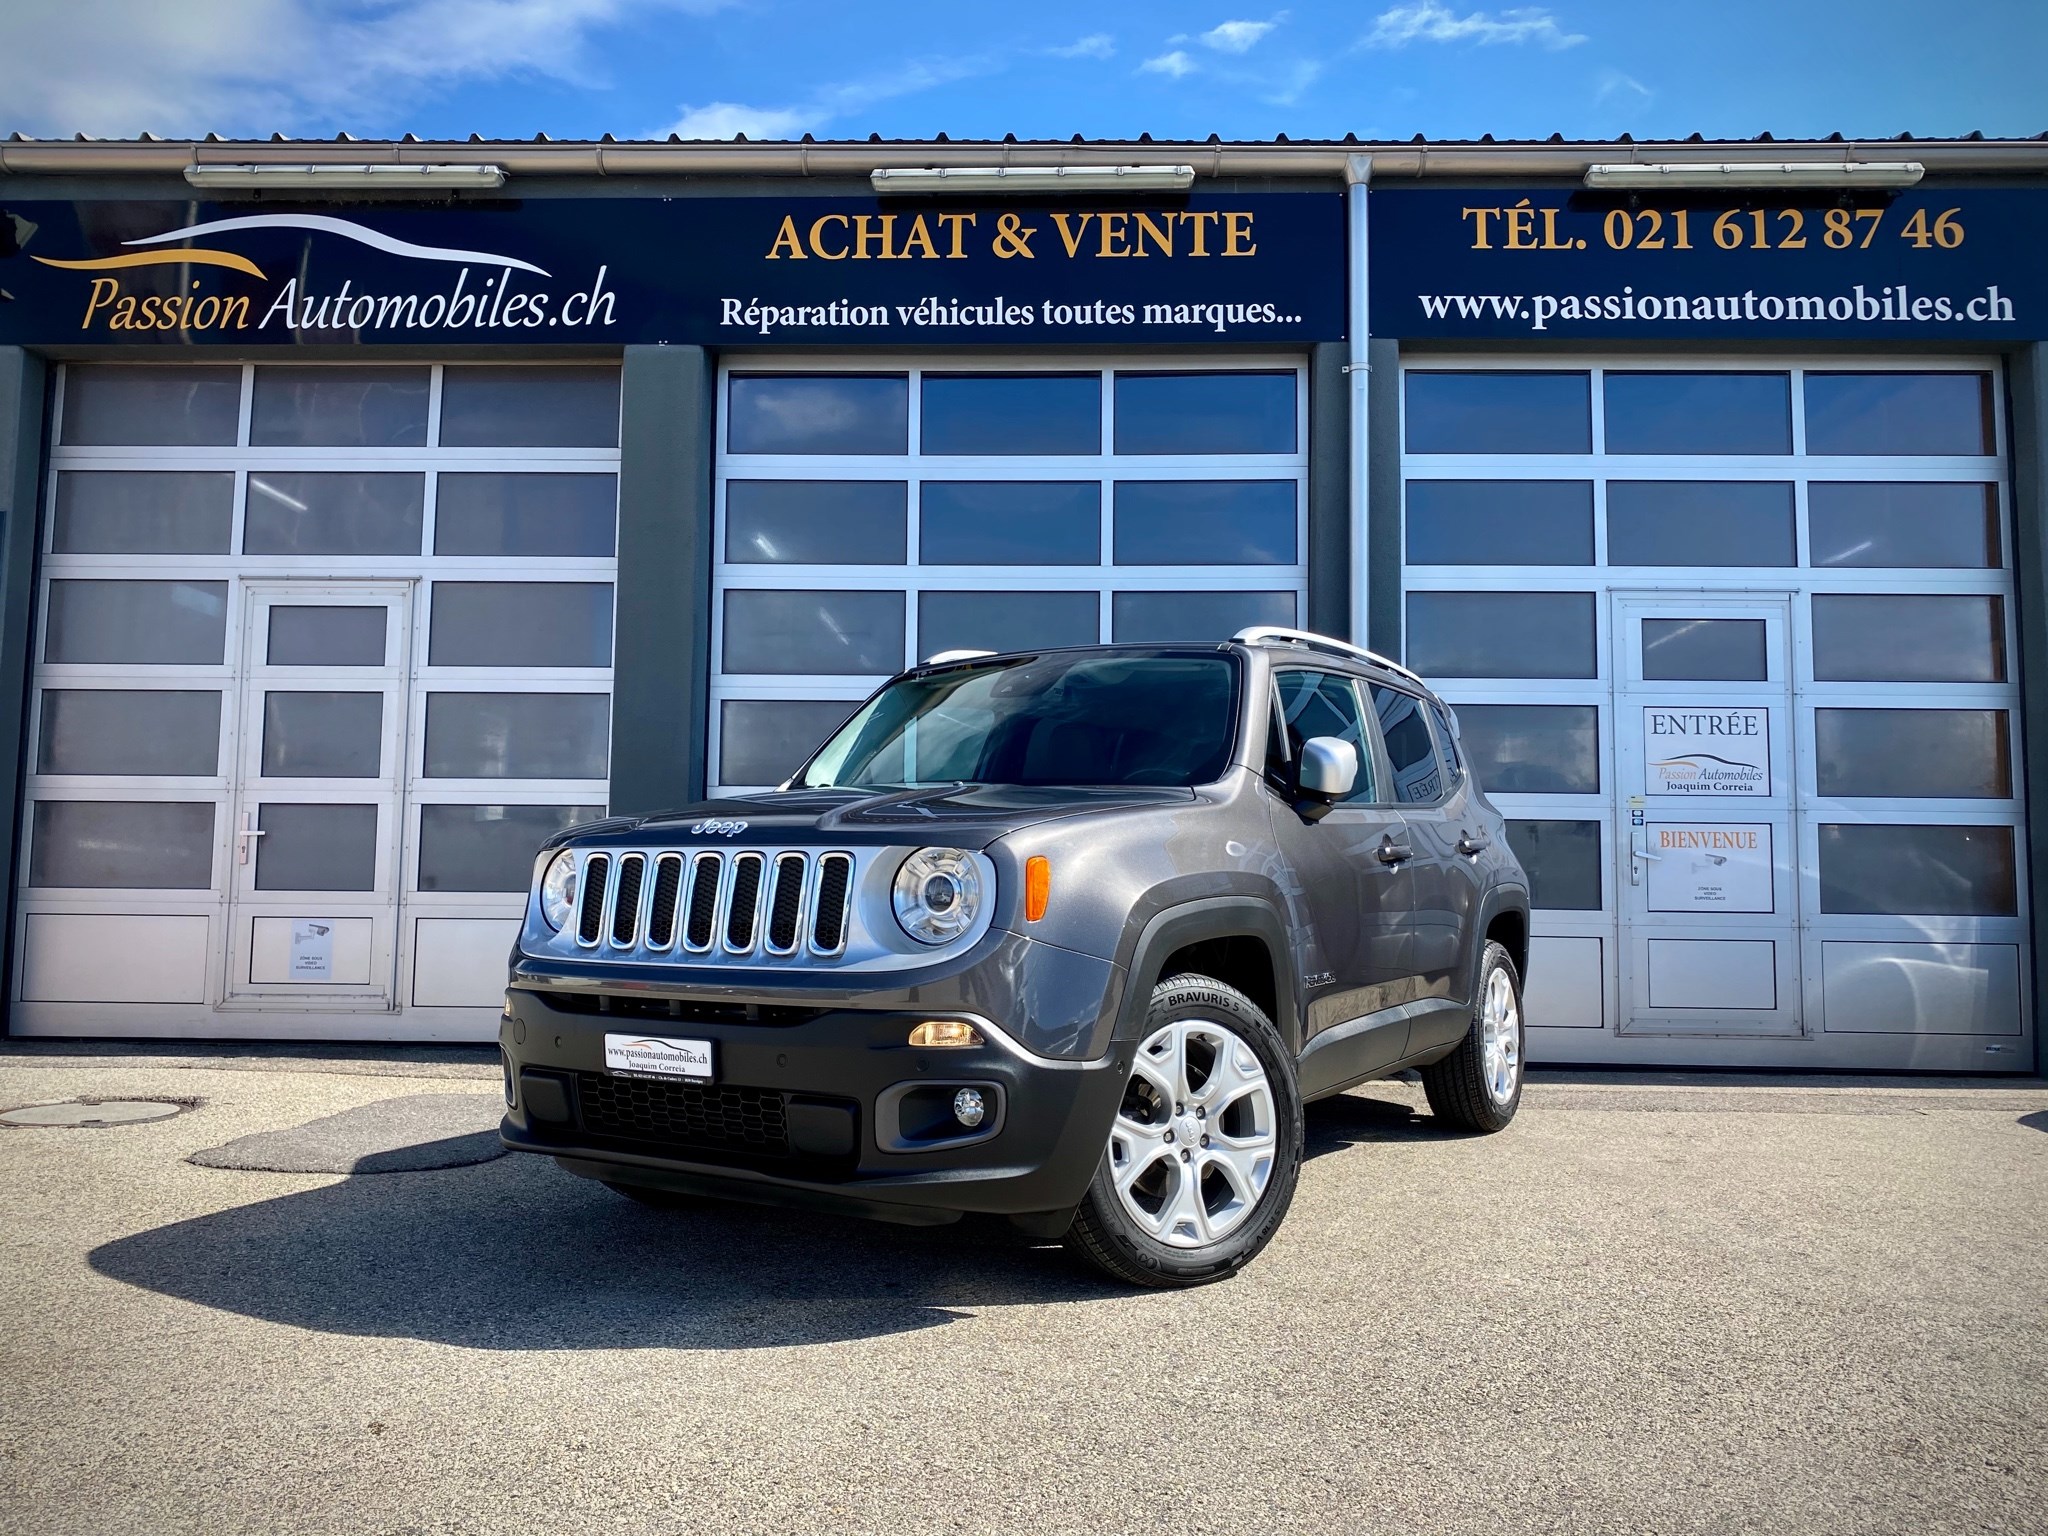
{"points": [[1068, 936]]}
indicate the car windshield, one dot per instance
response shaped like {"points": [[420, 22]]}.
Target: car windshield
{"points": [[1056, 719]]}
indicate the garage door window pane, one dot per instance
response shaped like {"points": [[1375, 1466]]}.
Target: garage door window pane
{"points": [[1899, 413], [153, 845], [137, 623], [351, 636], [1205, 413], [129, 731], [489, 847], [151, 406], [521, 624], [845, 633], [300, 407], [1532, 749], [517, 735], [1519, 411], [1913, 753], [1705, 650], [1699, 412], [1173, 617], [764, 741], [818, 413], [144, 512], [1500, 522], [1700, 522], [333, 514], [530, 407], [1205, 522], [1923, 871], [1501, 634], [1021, 522], [1929, 524], [816, 522], [316, 848], [571, 517], [322, 735], [1922, 638], [1005, 621], [1562, 859], [1000, 413]]}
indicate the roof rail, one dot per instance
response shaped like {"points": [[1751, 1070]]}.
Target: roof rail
{"points": [[944, 658], [1308, 641]]}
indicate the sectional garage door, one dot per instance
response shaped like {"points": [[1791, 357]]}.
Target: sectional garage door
{"points": [[323, 654], [871, 515]]}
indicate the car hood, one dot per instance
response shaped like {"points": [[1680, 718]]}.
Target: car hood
{"points": [[960, 816]]}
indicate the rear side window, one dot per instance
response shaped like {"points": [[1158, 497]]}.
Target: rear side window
{"points": [[1418, 775], [1324, 704], [1447, 738]]}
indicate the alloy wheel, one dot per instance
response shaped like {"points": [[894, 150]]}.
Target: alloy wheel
{"points": [[1500, 1025], [1194, 1141]]}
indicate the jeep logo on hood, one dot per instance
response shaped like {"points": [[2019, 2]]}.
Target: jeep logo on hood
{"points": [[718, 826]]}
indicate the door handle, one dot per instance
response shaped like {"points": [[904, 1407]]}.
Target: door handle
{"points": [[245, 835], [1391, 852], [1473, 843], [1638, 851]]}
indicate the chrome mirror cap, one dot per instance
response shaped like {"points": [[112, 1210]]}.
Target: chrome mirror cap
{"points": [[1329, 767]]}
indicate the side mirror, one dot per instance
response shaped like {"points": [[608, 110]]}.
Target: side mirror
{"points": [[1329, 768]]}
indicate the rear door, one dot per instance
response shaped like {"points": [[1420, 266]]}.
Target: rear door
{"points": [[1434, 797]]}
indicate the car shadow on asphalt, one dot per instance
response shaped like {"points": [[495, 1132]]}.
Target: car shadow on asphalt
{"points": [[515, 1254], [1351, 1118]]}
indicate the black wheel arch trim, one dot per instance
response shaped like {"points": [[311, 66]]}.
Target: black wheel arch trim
{"points": [[1193, 922]]}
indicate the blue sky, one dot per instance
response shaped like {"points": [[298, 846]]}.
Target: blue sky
{"points": [[1044, 68]]}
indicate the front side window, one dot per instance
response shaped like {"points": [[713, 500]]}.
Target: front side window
{"points": [[1323, 704], [1042, 720]]}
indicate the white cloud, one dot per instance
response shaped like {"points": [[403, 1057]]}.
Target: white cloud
{"points": [[1239, 36], [122, 67], [728, 119], [1622, 90], [1429, 22], [1174, 64], [1287, 88], [723, 119], [1096, 45]]}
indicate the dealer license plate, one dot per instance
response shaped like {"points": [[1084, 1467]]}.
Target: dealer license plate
{"points": [[657, 1056]]}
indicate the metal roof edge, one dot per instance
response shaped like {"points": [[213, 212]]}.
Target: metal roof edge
{"points": [[1389, 161]]}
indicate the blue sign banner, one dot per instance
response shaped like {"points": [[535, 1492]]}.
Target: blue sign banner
{"points": [[1929, 264], [758, 271]]}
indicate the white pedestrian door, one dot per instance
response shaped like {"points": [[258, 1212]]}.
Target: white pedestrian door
{"points": [[315, 820], [1708, 844]]}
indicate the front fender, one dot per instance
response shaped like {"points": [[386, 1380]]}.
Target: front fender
{"points": [[1148, 946]]}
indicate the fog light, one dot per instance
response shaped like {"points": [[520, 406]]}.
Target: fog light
{"points": [[968, 1108], [946, 1034]]}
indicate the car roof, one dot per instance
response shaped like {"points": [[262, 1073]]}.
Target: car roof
{"points": [[1361, 664]]}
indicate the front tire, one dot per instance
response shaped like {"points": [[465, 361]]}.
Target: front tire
{"points": [[1205, 1148], [1478, 1087]]}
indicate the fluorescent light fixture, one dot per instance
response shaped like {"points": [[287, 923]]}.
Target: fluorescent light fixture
{"points": [[1760, 173], [1035, 178], [266, 177]]}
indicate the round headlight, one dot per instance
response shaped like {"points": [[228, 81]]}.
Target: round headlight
{"points": [[937, 894], [558, 890]]}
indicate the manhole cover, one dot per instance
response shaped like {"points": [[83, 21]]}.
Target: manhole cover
{"points": [[111, 1112]]}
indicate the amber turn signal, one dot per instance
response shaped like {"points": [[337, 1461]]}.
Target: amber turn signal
{"points": [[944, 1034], [1037, 886]]}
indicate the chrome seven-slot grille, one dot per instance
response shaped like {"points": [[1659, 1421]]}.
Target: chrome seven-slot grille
{"points": [[752, 901]]}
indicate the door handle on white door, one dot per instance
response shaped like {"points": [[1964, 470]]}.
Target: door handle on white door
{"points": [[246, 835], [1638, 851]]}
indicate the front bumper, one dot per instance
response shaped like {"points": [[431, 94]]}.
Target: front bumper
{"points": [[823, 1106]]}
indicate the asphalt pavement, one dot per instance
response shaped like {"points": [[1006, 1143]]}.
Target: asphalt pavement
{"points": [[1655, 1305]]}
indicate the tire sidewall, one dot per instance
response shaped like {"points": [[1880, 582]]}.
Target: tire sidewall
{"points": [[1195, 998], [1498, 959]]}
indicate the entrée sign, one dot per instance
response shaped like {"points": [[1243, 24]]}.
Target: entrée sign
{"points": [[1256, 267]]}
